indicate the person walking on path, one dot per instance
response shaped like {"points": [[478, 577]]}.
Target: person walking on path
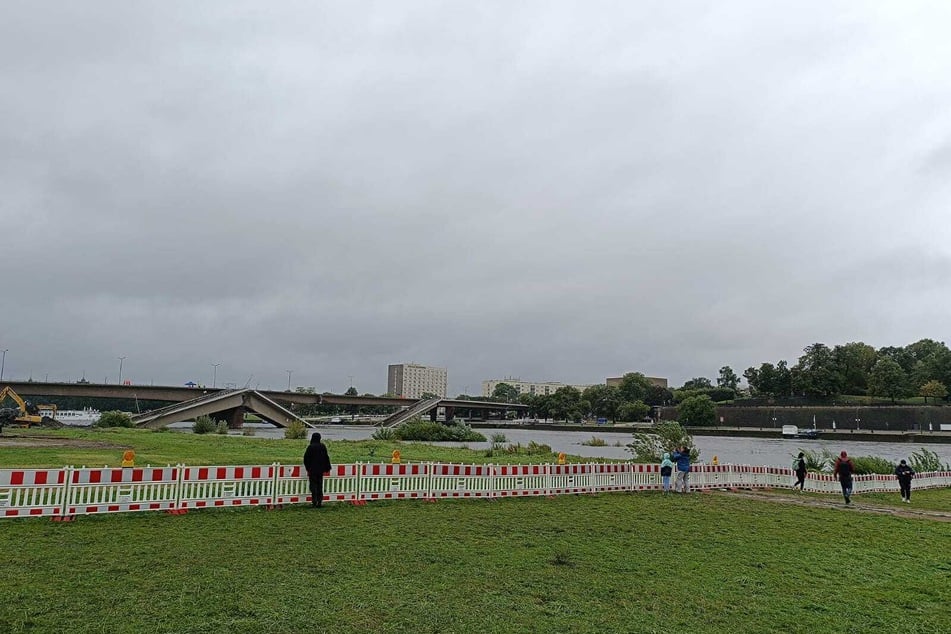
{"points": [[666, 469], [843, 471], [904, 473], [317, 463], [682, 457], [800, 467]]}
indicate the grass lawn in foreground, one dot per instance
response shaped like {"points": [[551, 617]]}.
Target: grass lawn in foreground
{"points": [[592, 563]]}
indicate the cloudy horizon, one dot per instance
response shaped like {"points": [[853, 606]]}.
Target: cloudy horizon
{"points": [[556, 191]]}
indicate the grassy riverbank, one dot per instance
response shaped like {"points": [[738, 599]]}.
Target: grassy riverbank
{"points": [[98, 447], [606, 563]]}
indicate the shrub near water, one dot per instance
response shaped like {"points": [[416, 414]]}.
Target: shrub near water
{"points": [[295, 431], [437, 432], [114, 419], [204, 425]]}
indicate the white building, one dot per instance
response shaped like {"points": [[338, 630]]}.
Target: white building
{"points": [[411, 380], [528, 387]]}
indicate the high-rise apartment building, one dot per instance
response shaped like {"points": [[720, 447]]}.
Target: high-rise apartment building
{"points": [[411, 380]]}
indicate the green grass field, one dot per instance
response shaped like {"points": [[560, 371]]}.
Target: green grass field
{"points": [[592, 563], [639, 562]]}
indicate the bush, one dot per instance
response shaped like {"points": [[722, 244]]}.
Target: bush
{"points": [[531, 449], [384, 433], [419, 429], [295, 431], [697, 410], [594, 441], [665, 438], [816, 461], [925, 461], [872, 464], [204, 425], [114, 419], [633, 411], [221, 428]]}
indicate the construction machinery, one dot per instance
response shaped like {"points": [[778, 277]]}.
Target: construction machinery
{"points": [[25, 413]]}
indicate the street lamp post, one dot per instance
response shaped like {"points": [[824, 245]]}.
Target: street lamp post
{"points": [[3, 362], [214, 380], [121, 359], [289, 373]]}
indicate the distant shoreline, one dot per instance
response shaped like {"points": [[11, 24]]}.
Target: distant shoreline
{"points": [[741, 432]]}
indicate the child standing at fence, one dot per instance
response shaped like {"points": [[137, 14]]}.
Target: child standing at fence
{"points": [[666, 469], [904, 473]]}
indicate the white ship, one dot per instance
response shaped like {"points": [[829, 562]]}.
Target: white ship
{"points": [[75, 417]]}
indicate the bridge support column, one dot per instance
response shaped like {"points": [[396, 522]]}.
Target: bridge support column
{"points": [[432, 414], [234, 417], [450, 414]]}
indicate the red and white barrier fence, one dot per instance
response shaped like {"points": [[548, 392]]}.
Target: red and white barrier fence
{"points": [[68, 492]]}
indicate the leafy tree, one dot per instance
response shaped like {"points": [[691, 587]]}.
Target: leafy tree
{"points": [[933, 389], [888, 379], [351, 391], [697, 410], [817, 373], [657, 395], [505, 393], [634, 386], [633, 412], [728, 378], [603, 400], [566, 403], [855, 361], [665, 437], [698, 383]]}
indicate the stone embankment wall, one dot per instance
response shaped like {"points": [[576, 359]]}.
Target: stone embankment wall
{"points": [[894, 418]]}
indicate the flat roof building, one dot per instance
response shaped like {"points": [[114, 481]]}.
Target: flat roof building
{"points": [[539, 388], [411, 380]]}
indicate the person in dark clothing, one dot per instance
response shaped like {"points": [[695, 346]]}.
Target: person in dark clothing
{"points": [[317, 463], [843, 470], [904, 473], [800, 471]]}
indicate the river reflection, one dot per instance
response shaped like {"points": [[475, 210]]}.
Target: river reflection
{"points": [[754, 451]]}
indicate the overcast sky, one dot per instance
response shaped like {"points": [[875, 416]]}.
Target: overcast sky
{"points": [[559, 191]]}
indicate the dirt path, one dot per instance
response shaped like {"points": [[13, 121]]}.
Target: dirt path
{"points": [[860, 507]]}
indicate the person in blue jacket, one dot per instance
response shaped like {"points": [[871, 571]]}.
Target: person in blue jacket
{"points": [[666, 469], [682, 457]]}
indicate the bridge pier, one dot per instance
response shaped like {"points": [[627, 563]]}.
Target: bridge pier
{"points": [[234, 417]]}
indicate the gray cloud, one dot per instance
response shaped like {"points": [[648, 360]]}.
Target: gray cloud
{"points": [[558, 191]]}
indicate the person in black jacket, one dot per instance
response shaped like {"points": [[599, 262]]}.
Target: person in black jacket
{"points": [[904, 473], [317, 462], [800, 471]]}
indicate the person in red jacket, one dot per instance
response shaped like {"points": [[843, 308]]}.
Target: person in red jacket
{"points": [[317, 462], [843, 471]]}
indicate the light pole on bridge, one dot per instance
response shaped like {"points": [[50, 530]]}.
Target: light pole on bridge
{"points": [[214, 380], [3, 362], [289, 373], [121, 359]]}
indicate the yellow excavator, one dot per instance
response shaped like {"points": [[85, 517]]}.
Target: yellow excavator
{"points": [[25, 412]]}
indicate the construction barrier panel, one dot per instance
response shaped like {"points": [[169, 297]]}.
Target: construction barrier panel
{"points": [[122, 490], [226, 486], [461, 481], [293, 487], [32, 492], [67, 492], [521, 480], [394, 481], [646, 477]]}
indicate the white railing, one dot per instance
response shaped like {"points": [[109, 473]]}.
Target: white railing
{"points": [[70, 491]]}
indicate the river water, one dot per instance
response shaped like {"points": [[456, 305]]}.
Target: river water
{"points": [[728, 450]]}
